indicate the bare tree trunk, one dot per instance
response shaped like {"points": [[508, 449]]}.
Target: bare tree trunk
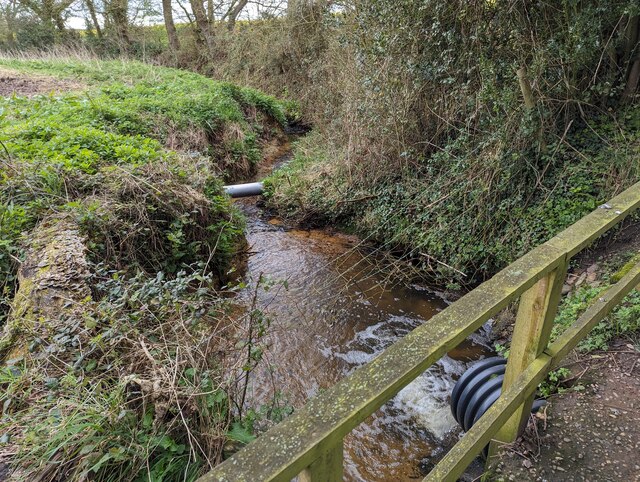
{"points": [[233, 14], [632, 58], [632, 81], [631, 37], [172, 34], [91, 7], [530, 103], [203, 27], [525, 87], [118, 11]]}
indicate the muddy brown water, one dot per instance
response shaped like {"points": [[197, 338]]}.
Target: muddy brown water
{"points": [[338, 311]]}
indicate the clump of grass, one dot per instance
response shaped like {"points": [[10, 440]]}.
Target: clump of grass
{"points": [[142, 388]]}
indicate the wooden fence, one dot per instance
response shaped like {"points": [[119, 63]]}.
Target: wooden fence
{"points": [[309, 443]]}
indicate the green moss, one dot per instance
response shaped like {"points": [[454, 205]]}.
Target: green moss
{"points": [[625, 269]]}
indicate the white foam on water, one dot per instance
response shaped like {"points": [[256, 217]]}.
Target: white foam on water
{"points": [[425, 401]]}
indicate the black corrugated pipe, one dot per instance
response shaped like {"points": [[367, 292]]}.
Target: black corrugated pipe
{"points": [[477, 389]]}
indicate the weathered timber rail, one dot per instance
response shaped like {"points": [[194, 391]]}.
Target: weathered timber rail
{"points": [[310, 442]]}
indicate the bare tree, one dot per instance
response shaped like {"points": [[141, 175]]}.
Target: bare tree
{"points": [[204, 32], [117, 12], [172, 34], [9, 10], [91, 9], [234, 10], [49, 11]]}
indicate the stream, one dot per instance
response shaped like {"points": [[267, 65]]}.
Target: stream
{"points": [[334, 308]]}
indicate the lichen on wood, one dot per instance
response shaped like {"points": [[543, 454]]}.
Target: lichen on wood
{"points": [[52, 286]]}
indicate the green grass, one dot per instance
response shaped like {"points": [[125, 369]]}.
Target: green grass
{"points": [[185, 109]]}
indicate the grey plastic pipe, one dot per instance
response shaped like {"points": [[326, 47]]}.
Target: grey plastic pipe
{"points": [[244, 190]]}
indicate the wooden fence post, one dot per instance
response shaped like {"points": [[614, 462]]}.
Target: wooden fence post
{"points": [[536, 312], [327, 468]]}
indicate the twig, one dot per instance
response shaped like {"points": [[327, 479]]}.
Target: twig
{"points": [[6, 151], [577, 377], [146, 351], [442, 263], [363, 198], [620, 408]]}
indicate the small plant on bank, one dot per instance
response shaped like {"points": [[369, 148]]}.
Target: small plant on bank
{"points": [[553, 382]]}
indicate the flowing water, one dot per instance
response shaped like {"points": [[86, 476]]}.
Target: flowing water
{"points": [[334, 310]]}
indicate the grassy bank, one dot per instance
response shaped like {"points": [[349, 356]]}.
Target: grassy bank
{"points": [[64, 152], [123, 358], [459, 215]]}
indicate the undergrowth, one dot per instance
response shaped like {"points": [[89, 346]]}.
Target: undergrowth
{"points": [[624, 319], [458, 224], [152, 394]]}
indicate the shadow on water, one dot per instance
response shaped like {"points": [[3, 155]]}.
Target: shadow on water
{"points": [[338, 312]]}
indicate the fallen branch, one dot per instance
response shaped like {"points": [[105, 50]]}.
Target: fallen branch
{"points": [[52, 286], [442, 263]]}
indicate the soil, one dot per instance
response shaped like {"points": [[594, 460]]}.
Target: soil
{"points": [[587, 435], [18, 83]]}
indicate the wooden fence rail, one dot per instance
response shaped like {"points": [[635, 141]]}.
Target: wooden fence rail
{"points": [[310, 442]]}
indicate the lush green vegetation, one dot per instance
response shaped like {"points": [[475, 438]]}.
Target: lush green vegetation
{"points": [[446, 209], [181, 109], [145, 383]]}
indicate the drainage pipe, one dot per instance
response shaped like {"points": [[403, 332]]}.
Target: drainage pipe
{"points": [[477, 389], [244, 190]]}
